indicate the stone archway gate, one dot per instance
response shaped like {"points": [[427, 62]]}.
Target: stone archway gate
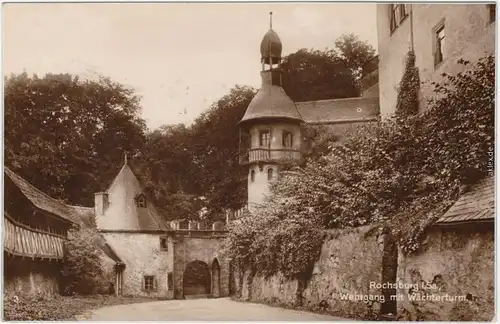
{"points": [[204, 246]]}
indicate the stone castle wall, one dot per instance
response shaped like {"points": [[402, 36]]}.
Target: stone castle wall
{"points": [[454, 262], [350, 260]]}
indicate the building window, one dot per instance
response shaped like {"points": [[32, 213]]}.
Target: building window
{"points": [[439, 44], [149, 283], [492, 8], [287, 139], [270, 174], [252, 175], [163, 244], [264, 138], [397, 13], [140, 201]]}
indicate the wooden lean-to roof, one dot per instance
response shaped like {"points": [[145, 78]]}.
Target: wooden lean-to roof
{"points": [[42, 200], [476, 205]]}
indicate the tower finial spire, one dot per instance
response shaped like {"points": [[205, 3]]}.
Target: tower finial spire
{"points": [[271, 20], [125, 158]]}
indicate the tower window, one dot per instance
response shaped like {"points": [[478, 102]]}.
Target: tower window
{"points": [[287, 139], [252, 175], [439, 41], [264, 138], [270, 174]]}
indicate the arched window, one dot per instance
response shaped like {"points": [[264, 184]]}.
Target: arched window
{"points": [[252, 175], [287, 139], [270, 174]]}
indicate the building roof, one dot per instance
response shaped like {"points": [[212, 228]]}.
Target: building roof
{"points": [[122, 212], [42, 200], [271, 102], [271, 46], [339, 110], [476, 205]]}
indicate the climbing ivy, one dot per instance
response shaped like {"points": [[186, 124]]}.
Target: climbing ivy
{"points": [[402, 173], [409, 86]]}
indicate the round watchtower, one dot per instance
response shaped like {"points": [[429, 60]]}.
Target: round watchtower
{"points": [[270, 129]]}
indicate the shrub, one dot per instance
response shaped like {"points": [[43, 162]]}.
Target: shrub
{"points": [[82, 272]]}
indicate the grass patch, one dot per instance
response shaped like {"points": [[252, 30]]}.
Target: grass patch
{"points": [[59, 308]]}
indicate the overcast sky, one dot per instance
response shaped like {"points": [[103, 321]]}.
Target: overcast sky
{"points": [[178, 57]]}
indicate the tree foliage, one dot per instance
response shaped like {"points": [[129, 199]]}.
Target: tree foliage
{"points": [[330, 74], [401, 174], [67, 136]]}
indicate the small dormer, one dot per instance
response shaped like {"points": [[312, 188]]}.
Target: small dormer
{"points": [[140, 201]]}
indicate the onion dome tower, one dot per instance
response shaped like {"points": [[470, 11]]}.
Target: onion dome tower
{"points": [[270, 129]]}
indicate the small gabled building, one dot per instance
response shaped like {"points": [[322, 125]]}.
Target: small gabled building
{"points": [[135, 231]]}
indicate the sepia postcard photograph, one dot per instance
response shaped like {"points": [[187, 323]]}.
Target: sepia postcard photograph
{"points": [[248, 161]]}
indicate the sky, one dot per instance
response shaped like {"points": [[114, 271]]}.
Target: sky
{"points": [[180, 58]]}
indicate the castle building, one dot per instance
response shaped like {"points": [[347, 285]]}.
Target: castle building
{"points": [[438, 34], [271, 130]]}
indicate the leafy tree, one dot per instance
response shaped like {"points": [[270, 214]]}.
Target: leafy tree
{"points": [[67, 136], [329, 74], [355, 53], [215, 151]]}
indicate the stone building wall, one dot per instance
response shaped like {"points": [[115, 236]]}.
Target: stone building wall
{"points": [[453, 262], [142, 256], [469, 34], [30, 277]]}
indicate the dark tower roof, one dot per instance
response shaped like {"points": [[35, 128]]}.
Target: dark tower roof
{"points": [[271, 102], [271, 47]]}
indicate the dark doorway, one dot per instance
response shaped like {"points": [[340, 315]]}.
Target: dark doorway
{"points": [[196, 279], [232, 284], [389, 274], [215, 279]]}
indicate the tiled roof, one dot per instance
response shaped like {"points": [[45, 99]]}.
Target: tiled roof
{"points": [[339, 110], [123, 213], [85, 214], [478, 204], [42, 200]]}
